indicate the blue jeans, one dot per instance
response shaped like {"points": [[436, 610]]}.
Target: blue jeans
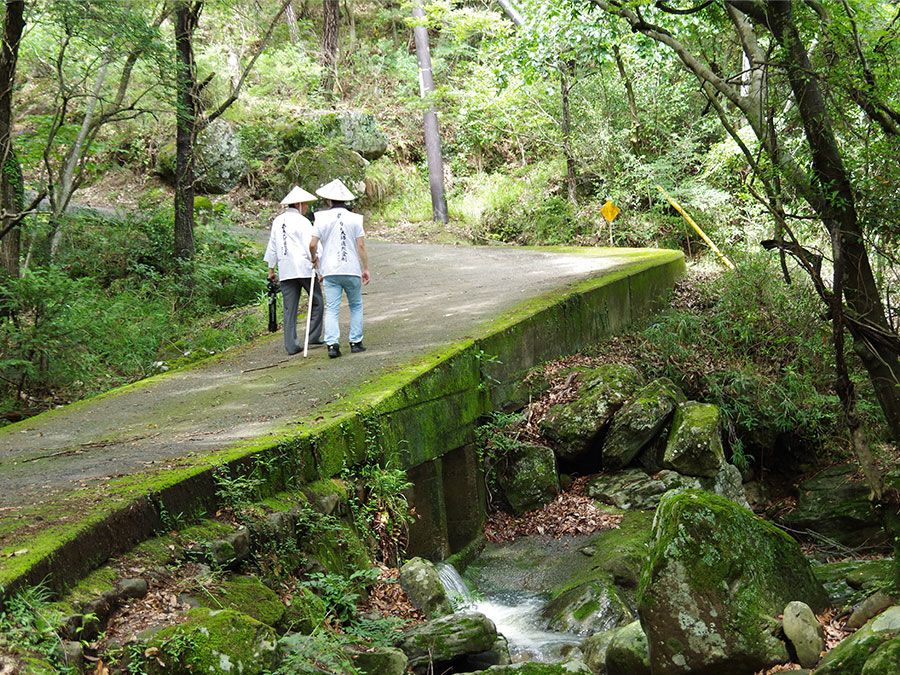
{"points": [[332, 286]]}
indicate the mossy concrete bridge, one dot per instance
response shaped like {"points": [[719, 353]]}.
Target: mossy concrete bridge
{"points": [[450, 330]]}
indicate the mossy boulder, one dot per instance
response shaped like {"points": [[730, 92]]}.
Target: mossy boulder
{"points": [[219, 164], [247, 595], [362, 133], [374, 660], [885, 659], [305, 613], [314, 167], [435, 643], [421, 581], [694, 447], [878, 641], [210, 641], [575, 429], [529, 479], [639, 421], [357, 130], [716, 575], [588, 608], [836, 504], [628, 652]]}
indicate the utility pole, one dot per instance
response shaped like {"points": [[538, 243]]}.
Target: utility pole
{"points": [[432, 133]]}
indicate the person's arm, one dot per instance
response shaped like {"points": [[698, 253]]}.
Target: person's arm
{"points": [[314, 251], [271, 256], [363, 259]]}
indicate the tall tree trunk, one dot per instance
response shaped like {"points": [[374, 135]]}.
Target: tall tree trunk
{"points": [[291, 18], [187, 15], [566, 127], [629, 92], [331, 10], [432, 132], [10, 172], [65, 186]]}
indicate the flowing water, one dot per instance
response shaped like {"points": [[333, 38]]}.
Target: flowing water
{"points": [[517, 615]]}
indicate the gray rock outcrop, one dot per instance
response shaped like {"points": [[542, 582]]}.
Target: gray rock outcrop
{"points": [[529, 480], [220, 166], [714, 580], [573, 428], [634, 489], [362, 133], [694, 447], [639, 421], [804, 632], [447, 639], [589, 608], [836, 505], [421, 581]]}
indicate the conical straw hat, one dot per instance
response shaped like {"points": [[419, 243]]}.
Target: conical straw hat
{"points": [[297, 195], [336, 190]]}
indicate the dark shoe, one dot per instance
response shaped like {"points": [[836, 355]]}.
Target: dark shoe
{"points": [[356, 347], [334, 351]]}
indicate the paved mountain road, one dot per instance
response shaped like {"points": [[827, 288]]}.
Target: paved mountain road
{"points": [[421, 297]]}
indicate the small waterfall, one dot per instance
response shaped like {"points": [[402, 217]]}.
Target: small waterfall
{"points": [[517, 615]]}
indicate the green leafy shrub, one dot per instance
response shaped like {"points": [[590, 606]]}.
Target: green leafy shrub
{"points": [[757, 348]]}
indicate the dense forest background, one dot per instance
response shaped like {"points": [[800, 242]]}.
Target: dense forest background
{"points": [[773, 124]]}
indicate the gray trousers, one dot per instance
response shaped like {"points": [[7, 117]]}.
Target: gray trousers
{"points": [[290, 296]]}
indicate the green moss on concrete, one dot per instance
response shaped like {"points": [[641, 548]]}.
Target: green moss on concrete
{"points": [[89, 588]]}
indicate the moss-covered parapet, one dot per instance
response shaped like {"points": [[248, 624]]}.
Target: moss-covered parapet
{"points": [[415, 413]]}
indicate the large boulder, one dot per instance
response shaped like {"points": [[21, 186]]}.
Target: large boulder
{"points": [[835, 504], [219, 164], [627, 652], [575, 429], [715, 578], [433, 643], [314, 167], [213, 642], [872, 650], [421, 581], [694, 447], [362, 133], [639, 422], [529, 479]]}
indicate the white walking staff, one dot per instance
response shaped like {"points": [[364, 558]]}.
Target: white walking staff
{"points": [[312, 288]]}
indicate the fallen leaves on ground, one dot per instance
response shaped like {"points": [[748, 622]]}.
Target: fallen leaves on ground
{"points": [[569, 515], [388, 598]]}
